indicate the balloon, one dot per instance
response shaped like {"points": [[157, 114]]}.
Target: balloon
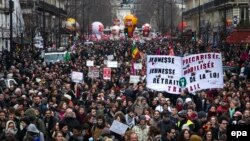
{"points": [[115, 30], [130, 22], [70, 24], [146, 29], [97, 28]]}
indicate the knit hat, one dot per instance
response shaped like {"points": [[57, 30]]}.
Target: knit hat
{"points": [[182, 113], [202, 114], [179, 100], [188, 100], [195, 138]]}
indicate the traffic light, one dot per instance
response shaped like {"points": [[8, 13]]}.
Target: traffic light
{"points": [[193, 36], [126, 31]]}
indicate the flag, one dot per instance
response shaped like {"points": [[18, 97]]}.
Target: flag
{"points": [[135, 52], [67, 56]]}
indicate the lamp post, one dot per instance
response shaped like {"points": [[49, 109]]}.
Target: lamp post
{"points": [[199, 20], [163, 17], [75, 19], [44, 25], [59, 25], [171, 20], [12, 49], [182, 2]]}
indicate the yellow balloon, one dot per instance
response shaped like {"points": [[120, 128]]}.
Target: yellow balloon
{"points": [[71, 20]]}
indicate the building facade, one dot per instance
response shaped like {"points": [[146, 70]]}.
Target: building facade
{"points": [[209, 17], [17, 23], [45, 17]]}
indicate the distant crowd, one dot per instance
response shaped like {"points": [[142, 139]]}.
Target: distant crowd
{"points": [[46, 105]]}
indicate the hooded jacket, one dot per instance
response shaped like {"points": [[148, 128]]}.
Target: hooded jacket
{"points": [[30, 113]]}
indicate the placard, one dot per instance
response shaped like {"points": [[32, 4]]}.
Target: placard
{"points": [[107, 73], [77, 77], [89, 63], [137, 66], [93, 72], [112, 64], [110, 57], [134, 79], [118, 127]]}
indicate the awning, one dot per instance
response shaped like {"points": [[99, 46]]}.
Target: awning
{"points": [[239, 37]]}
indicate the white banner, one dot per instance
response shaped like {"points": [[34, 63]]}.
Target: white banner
{"points": [[194, 72], [203, 71], [163, 73]]}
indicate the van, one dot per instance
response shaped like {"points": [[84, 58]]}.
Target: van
{"points": [[53, 57]]}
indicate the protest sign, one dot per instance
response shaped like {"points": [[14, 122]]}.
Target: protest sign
{"points": [[118, 127], [77, 77], [89, 63], [112, 64], [137, 66], [93, 72], [110, 57], [107, 73], [134, 79], [193, 73]]}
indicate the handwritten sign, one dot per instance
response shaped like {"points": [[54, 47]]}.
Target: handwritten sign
{"points": [[118, 127], [138, 66], [77, 77], [107, 73], [112, 64], [110, 57], [90, 63], [134, 79], [93, 72]]}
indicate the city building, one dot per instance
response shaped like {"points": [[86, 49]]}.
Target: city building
{"points": [[53, 11], [208, 18], [17, 23]]}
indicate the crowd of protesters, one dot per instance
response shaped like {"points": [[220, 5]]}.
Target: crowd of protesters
{"points": [[45, 105]]}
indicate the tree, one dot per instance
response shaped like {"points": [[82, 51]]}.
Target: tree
{"points": [[88, 11], [157, 13]]}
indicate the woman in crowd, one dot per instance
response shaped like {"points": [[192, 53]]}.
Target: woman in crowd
{"points": [[184, 135]]}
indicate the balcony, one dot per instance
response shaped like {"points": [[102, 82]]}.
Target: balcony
{"points": [[50, 8], [26, 3], [5, 7]]}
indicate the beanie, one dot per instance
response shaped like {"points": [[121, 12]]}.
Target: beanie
{"points": [[202, 114]]}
